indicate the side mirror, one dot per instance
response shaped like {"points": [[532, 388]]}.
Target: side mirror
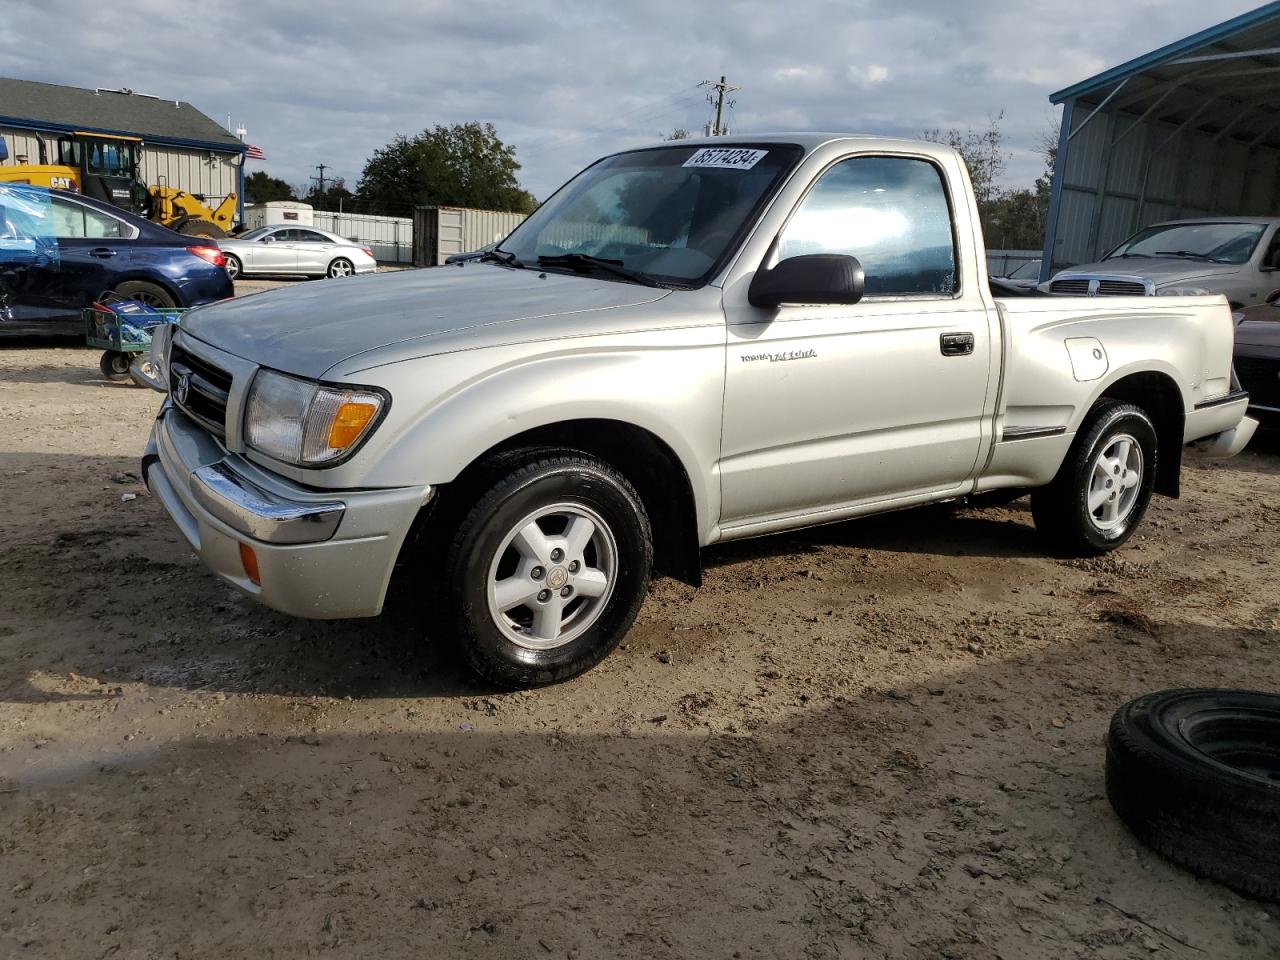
{"points": [[1272, 262], [269, 238], [814, 278]]}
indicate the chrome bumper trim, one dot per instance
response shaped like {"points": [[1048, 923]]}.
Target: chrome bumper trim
{"points": [[250, 510]]}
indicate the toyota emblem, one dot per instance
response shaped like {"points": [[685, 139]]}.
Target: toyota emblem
{"points": [[182, 387]]}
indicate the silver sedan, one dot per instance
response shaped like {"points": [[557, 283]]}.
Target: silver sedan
{"points": [[289, 249]]}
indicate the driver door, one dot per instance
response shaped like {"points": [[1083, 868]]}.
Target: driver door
{"points": [[828, 407]]}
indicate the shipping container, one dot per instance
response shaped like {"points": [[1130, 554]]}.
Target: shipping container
{"points": [[440, 232]]}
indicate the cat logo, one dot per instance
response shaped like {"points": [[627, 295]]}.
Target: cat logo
{"points": [[62, 183]]}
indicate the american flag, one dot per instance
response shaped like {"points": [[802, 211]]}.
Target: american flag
{"points": [[254, 153]]}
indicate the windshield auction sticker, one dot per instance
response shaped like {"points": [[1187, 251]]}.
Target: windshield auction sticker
{"points": [[729, 158]]}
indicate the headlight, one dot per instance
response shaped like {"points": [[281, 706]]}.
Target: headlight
{"points": [[305, 423], [1183, 292], [161, 338]]}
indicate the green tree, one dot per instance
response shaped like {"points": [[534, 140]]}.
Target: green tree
{"points": [[261, 187], [464, 165]]}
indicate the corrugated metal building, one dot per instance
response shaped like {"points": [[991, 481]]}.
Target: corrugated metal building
{"points": [[182, 147], [1189, 130]]}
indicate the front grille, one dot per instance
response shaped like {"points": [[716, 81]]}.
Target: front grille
{"points": [[1121, 288], [200, 389], [1079, 288], [1261, 378]]}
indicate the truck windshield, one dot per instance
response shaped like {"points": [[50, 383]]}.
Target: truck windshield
{"points": [[1218, 242], [667, 215]]}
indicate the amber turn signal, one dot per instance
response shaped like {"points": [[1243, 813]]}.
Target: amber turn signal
{"points": [[249, 559], [351, 419]]}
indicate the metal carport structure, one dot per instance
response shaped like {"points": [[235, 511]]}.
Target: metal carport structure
{"points": [[1189, 130]]}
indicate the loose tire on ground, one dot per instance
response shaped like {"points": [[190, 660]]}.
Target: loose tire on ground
{"points": [[153, 295], [199, 227], [565, 493], [1114, 456], [1195, 774]]}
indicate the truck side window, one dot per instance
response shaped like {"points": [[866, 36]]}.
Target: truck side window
{"points": [[889, 212]]}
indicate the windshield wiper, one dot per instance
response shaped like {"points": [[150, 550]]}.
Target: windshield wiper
{"points": [[1122, 256], [584, 261], [504, 257]]}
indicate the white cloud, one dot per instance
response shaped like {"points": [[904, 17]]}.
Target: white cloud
{"points": [[868, 76]]}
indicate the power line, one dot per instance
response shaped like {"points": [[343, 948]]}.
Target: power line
{"points": [[721, 88], [320, 179]]}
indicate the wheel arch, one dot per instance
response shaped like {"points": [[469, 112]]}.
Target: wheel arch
{"points": [[653, 467], [154, 279], [1158, 394]]}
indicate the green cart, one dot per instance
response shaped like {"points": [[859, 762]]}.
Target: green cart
{"points": [[124, 341]]}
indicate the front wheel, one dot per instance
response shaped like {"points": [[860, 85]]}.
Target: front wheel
{"points": [[547, 570], [341, 268], [1102, 489]]}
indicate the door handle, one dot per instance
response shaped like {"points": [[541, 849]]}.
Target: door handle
{"points": [[102, 253], [956, 344]]}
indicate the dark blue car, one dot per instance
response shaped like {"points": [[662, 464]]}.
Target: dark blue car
{"points": [[59, 252]]}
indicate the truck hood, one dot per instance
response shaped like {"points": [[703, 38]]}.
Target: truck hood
{"points": [[1161, 270], [308, 328]]}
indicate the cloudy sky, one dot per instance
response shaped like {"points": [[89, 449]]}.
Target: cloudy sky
{"points": [[329, 82]]}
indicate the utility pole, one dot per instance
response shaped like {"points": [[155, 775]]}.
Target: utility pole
{"points": [[320, 179], [717, 98]]}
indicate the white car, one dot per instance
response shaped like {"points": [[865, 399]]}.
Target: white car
{"points": [[287, 249]]}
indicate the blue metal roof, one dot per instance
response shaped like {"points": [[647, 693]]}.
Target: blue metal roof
{"points": [[1172, 51]]}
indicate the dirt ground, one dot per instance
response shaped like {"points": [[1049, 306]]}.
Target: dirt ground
{"points": [[880, 739]]}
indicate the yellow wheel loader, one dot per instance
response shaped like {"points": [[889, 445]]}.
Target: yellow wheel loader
{"points": [[106, 168]]}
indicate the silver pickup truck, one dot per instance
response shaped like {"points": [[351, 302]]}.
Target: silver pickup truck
{"points": [[691, 343]]}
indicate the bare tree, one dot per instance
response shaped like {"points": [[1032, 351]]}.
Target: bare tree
{"points": [[983, 152]]}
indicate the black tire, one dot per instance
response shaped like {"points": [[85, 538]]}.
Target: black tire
{"points": [[200, 227], [1061, 509], [340, 267], [234, 267], [153, 295], [1195, 774], [115, 365], [539, 480]]}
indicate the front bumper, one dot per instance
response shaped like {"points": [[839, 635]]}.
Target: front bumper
{"points": [[320, 554]]}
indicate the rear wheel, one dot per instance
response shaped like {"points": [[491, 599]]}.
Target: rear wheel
{"points": [[200, 227], [233, 265], [341, 267], [1102, 489], [547, 569], [153, 295], [114, 365]]}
